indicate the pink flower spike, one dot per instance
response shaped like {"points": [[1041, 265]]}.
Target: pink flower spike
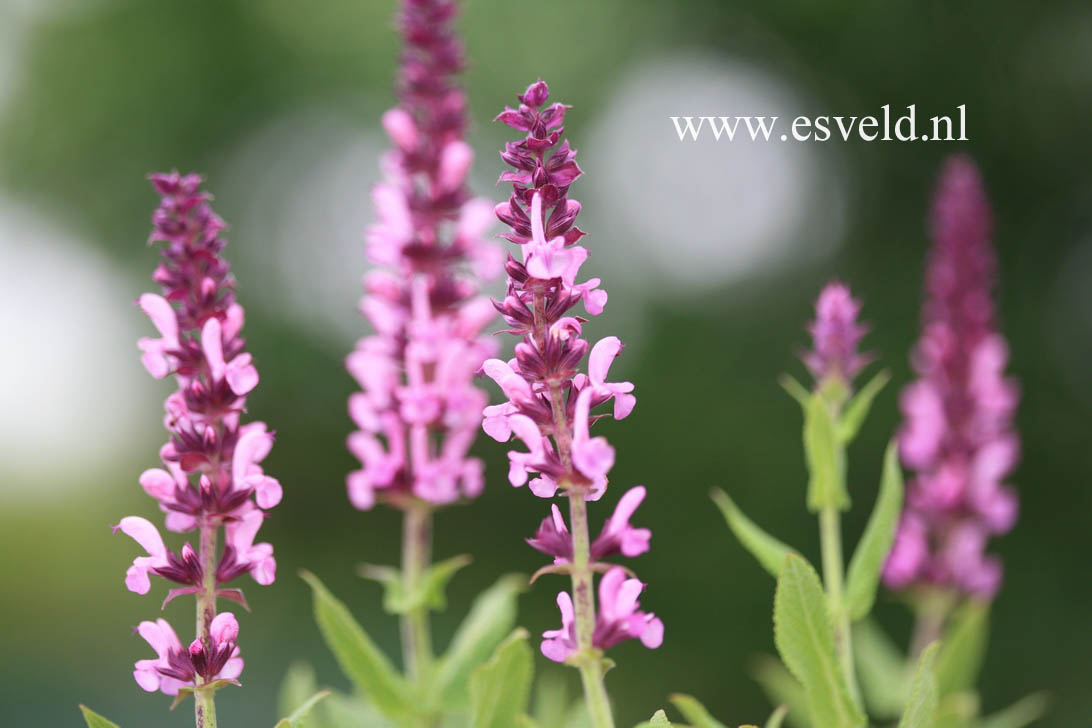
{"points": [[599, 361], [618, 536]]}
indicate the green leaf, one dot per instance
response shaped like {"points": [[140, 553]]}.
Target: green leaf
{"points": [[94, 720], [857, 409], [795, 389], [501, 688], [1022, 713], [776, 717], [695, 712], [963, 649], [804, 636], [430, 589], [298, 685], [957, 710], [359, 658], [863, 577], [551, 700], [658, 720], [491, 617], [921, 708], [825, 457], [768, 550], [345, 711], [781, 688], [881, 669], [296, 719]]}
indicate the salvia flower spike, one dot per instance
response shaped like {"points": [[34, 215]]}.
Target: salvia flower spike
{"points": [[418, 410], [957, 433], [210, 480], [550, 402]]}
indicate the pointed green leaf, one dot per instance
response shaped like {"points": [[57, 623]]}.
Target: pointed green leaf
{"points": [[501, 688], [491, 617], [863, 577], [857, 409], [658, 720], [921, 708], [94, 720], [1022, 713], [768, 550], [825, 456], [804, 636], [776, 717], [694, 712], [357, 655], [429, 592], [298, 716], [795, 389], [964, 648], [881, 669]]}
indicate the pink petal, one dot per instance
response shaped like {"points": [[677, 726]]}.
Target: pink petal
{"points": [[653, 635], [361, 491], [401, 128], [144, 533], [162, 315], [241, 375], [213, 346], [601, 357], [224, 628], [267, 492], [158, 483], [455, 161]]}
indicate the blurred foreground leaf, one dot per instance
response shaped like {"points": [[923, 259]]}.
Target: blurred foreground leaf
{"points": [[94, 720]]}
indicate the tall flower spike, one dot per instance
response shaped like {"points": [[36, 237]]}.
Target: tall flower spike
{"points": [[419, 411], [957, 432], [550, 403], [211, 477]]}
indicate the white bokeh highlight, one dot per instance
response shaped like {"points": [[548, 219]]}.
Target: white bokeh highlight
{"points": [[73, 395], [699, 215]]}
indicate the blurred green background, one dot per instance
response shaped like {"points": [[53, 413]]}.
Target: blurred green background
{"points": [[712, 254]]}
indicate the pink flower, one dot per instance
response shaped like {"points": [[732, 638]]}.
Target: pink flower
{"points": [[618, 536], [175, 667], [157, 357], [593, 456], [619, 619], [599, 361], [144, 533], [242, 555]]}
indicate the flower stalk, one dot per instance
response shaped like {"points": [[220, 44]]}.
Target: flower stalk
{"points": [[211, 478], [550, 401]]}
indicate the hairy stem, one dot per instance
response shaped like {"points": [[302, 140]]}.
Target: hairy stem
{"points": [[590, 661], [830, 538], [204, 706], [416, 555]]}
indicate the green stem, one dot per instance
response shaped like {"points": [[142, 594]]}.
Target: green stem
{"points": [[204, 705], [590, 659], [830, 538], [416, 555]]}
